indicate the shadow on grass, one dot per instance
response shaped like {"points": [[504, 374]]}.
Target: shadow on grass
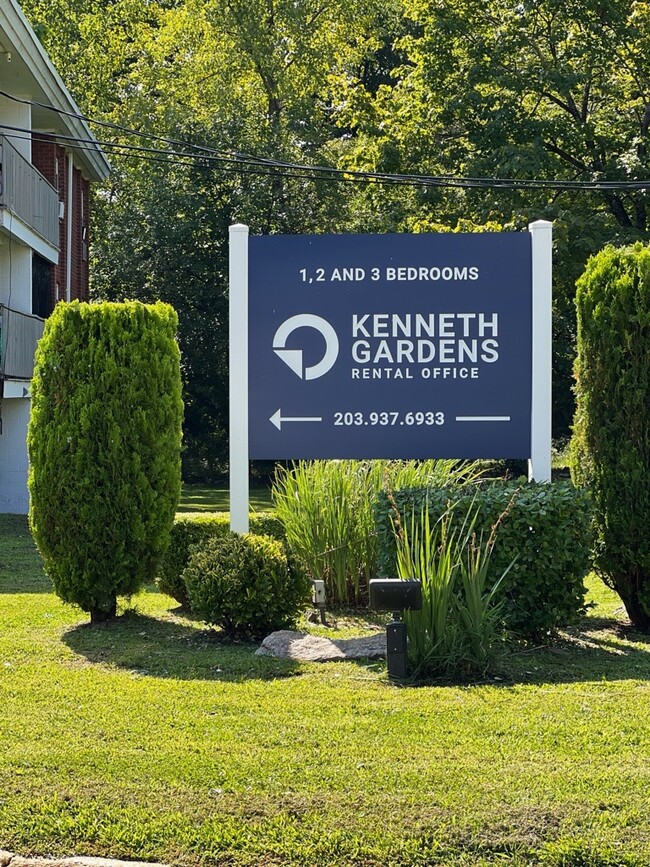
{"points": [[147, 646], [599, 649]]}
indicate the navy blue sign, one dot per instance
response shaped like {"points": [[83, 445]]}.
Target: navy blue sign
{"points": [[390, 346]]}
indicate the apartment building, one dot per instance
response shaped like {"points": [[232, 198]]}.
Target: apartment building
{"points": [[48, 159]]}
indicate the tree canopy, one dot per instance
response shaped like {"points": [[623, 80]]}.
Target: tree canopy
{"points": [[542, 90]]}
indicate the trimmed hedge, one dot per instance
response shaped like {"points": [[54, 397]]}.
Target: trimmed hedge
{"points": [[104, 444], [546, 527], [244, 584], [195, 528]]}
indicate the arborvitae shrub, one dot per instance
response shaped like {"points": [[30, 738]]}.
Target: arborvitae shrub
{"points": [[195, 528], [104, 448], [245, 584], [610, 449]]}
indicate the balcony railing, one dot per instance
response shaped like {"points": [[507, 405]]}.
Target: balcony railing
{"points": [[19, 334], [27, 194]]}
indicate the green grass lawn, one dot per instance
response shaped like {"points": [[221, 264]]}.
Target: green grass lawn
{"points": [[148, 738], [203, 498]]}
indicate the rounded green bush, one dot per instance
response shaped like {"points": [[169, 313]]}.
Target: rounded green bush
{"points": [[104, 447], [245, 584], [543, 538], [194, 528]]}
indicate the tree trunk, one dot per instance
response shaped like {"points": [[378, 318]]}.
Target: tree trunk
{"points": [[101, 615], [628, 589], [617, 208]]}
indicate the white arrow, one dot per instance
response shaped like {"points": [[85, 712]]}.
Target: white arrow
{"points": [[277, 419]]}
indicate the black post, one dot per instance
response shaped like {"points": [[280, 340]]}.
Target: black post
{"points": [[396, 648], [396, 595]]}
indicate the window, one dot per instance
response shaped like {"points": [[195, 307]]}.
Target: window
{"points": [[41, 286]]}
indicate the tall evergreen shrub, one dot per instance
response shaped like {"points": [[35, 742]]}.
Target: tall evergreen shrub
{"points": [[610, 449], [104, 448]]}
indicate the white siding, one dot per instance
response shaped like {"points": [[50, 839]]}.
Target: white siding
{"points": [[13, 457], [17, 114], [15, 275]]}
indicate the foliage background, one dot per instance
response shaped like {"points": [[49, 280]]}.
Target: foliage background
{"points": [[544, 89]]}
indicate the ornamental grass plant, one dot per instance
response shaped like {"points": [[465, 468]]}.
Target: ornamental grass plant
{"points": [[459, 632], [479, 607], [427, 552], [327, 511]]}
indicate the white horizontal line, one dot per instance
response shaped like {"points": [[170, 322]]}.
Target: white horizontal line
{"points": [[482, 418]]}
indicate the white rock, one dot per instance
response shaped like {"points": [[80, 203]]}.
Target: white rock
{"points": [[287, 644]]}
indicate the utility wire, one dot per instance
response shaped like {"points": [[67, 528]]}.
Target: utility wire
{"points": [[172, 158], [305, 171], [125, 129], [410, 179], [242, 167]]}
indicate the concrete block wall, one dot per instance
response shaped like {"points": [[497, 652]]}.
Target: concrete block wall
{"points": [[13, 457]]}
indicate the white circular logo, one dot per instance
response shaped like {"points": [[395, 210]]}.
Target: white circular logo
{"points": [[293, 358]]}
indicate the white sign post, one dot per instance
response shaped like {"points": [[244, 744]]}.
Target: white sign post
{"points": [[238, 355], [539, 464]]}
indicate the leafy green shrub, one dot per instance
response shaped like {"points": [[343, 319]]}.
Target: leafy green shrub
{"points": [[459, 631], [104, 448], [544, 528], [327, 511], [244, 584], [610, 449], [195, 528]]}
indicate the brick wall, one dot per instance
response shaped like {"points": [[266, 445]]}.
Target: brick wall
{"points": [[52, 162], [79, 285]]}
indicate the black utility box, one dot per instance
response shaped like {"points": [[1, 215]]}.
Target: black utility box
{"points": [[393, 594]]}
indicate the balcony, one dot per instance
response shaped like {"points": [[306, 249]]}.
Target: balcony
{"points": [[19, 334], [26, 194]]}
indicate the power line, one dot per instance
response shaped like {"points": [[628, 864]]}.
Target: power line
{"points": [[303, 171], [171, 158], [230, 165]]}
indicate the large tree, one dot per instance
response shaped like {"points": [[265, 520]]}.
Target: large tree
{"points": [[254, 78], [545, 89], [558, 91], [542, 89]]}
